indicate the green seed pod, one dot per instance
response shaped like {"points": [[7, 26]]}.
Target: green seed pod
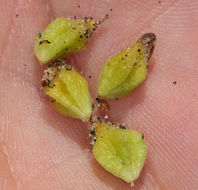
{"points": [[68, 90], [63, 36], [125, 71], [122, 152]]}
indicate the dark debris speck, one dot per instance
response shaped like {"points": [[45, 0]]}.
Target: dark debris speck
{"points": [[93, 132], [99, 119], [122, 127], [44, 41], [98, 99]]}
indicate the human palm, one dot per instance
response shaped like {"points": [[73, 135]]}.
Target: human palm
{"points": [[40, 149]]}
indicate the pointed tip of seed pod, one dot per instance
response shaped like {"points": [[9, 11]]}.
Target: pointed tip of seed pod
{"points": [[148, 41], [148, 37], [102, 19], [92, 24]]}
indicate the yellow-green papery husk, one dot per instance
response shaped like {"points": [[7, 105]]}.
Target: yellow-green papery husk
{"points": [[122, 152], [125, 71], [70, 94], [62, 37]]}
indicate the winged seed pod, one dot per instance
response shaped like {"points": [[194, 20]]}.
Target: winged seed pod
{"points": [[125, 71], [68, 90], [63, 36], [120, 151]]}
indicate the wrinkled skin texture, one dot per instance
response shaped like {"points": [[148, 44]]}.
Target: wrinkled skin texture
{"points": [[40, 149]]}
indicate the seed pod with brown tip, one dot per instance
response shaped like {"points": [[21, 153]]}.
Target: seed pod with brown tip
{"points": [[125, 71]]}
